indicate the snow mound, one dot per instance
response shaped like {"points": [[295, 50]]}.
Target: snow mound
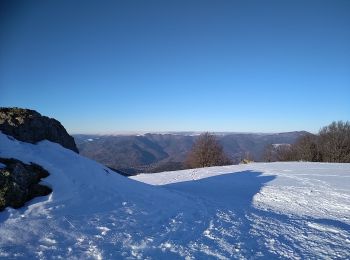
{"points": [[275, 210]]}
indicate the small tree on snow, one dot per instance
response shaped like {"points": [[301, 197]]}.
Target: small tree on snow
{"points": [[207, 152]]}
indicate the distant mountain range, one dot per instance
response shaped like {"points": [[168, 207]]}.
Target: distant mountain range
{"points": [[154, 152]]}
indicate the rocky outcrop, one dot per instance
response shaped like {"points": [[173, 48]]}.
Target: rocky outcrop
{"points": [[19, 183], [29, 126]]}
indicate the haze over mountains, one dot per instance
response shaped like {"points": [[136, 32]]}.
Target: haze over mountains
{"points": [[153, 152]]}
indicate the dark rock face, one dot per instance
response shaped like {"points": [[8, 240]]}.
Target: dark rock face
{"points": [[19, 183], [29, 126]]}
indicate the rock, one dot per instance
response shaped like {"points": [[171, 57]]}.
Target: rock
{"points": [[21, 175], [29, 126], [19, 183]]}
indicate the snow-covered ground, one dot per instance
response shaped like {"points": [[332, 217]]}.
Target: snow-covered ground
{"points": [[272, 210]]}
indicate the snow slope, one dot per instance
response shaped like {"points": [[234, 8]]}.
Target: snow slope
{"points": [[275, 210]]}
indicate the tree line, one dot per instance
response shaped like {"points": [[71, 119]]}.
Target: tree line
{"points": [[331, 144]]}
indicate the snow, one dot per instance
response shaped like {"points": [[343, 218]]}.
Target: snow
{"points": [[262, 210], [279, 145]]}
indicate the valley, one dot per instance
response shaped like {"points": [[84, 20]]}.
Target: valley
{"points": [[155, 152]]}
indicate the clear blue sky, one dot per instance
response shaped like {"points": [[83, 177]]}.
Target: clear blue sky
{"points": [[106, 66]]}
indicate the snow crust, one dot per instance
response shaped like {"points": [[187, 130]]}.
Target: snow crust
{"points": [[273, 210]]}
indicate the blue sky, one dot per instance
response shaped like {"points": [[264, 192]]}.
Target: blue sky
{"points": [[108, 66]]}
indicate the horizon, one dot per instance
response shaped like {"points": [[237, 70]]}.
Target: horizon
{"points": [[228, 66], [133, 133]]}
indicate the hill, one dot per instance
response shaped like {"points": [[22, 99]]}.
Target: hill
{"points": [[167, 151], [261, 210]]}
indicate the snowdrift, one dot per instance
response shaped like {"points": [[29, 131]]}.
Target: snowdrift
{"points": [[275, 210]]}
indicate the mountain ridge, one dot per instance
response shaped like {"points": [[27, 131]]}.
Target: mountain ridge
{"points": [[153, 152]]}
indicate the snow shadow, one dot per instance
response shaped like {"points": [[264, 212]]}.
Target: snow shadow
{"points": [[231, 225], [225, 219], [229, 189]]}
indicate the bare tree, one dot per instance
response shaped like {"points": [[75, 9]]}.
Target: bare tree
{"points": [[285, 153], [206, 152], [269, 153], [306, 149], [334, 142], [277, 152]]}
